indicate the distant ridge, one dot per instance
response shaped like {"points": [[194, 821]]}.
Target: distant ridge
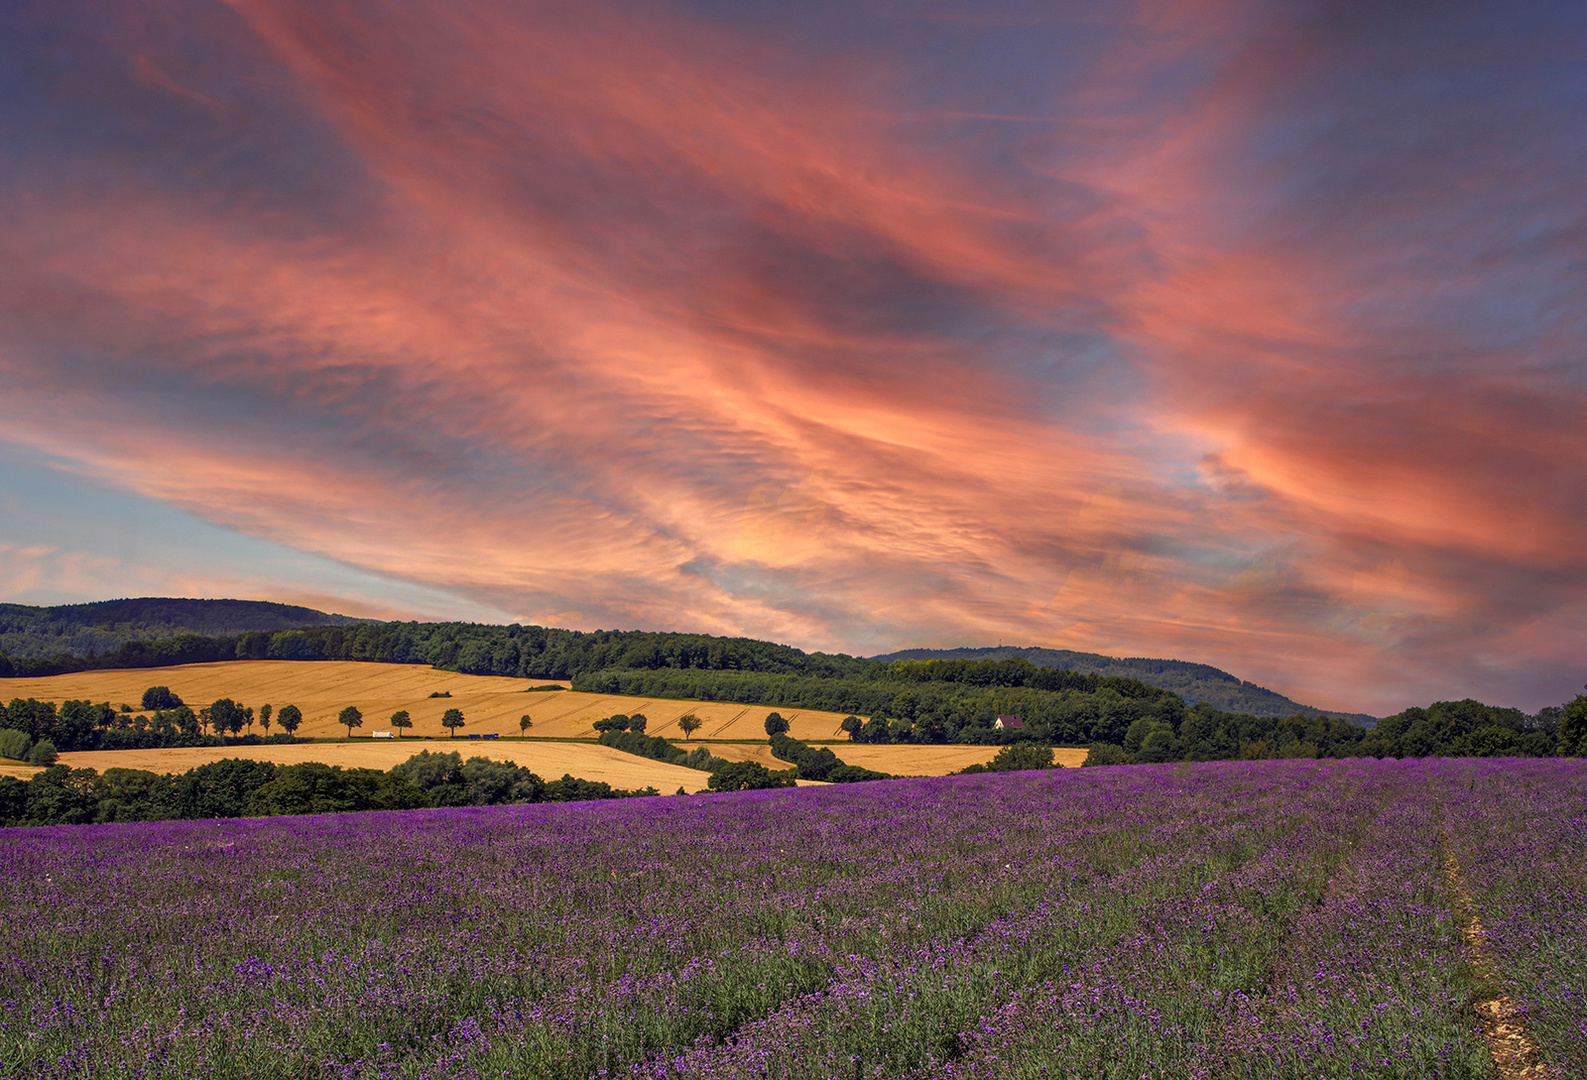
{"points": [[1193, 682], [106, 625]]}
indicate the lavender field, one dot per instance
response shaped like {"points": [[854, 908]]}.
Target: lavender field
{"points": [[1271, 919]]}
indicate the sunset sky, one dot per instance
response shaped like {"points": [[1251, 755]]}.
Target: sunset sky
{"points": [[1243, 333]]}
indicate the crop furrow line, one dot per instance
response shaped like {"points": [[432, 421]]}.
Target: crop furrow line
{"points": [[736, 718]]}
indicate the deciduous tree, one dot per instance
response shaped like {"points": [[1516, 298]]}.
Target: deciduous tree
{"points": [[1573, 728], [227, 716], [184, 719]]}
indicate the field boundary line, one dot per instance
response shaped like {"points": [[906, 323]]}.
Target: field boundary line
{"points": [[1515, 1055]]}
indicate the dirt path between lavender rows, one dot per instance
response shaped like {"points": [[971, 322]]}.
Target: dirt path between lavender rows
{"points": [[1515, 1055]]}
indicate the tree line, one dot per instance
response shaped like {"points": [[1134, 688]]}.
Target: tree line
{"points": [[627, 734], [237, 787], [35, 731], [1466, 728], [819, 762], [516, 651]]}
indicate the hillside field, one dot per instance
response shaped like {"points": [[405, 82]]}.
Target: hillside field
{"points": [[489, 703], [1282, 920]]}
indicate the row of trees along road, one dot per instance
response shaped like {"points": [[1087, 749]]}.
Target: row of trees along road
{"points": [[452, 719]]}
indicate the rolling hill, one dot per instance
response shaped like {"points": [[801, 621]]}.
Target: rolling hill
{"points": [[1193, 682], [88, 629]]}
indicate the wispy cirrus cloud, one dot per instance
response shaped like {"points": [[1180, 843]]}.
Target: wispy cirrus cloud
{"points": [[855, 330]]}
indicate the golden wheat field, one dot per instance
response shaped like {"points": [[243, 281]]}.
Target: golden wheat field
{"points": [[489, 703], [550, 760]]}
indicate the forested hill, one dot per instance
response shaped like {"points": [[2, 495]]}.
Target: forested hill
{"points": [[1193, 682], [103, 627], [55, 642]]}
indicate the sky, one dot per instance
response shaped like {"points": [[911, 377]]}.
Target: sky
{"points": [[1237, 332]]}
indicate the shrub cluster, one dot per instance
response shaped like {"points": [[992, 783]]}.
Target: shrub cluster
{"points": [[1016, 757], [747, 776]]}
